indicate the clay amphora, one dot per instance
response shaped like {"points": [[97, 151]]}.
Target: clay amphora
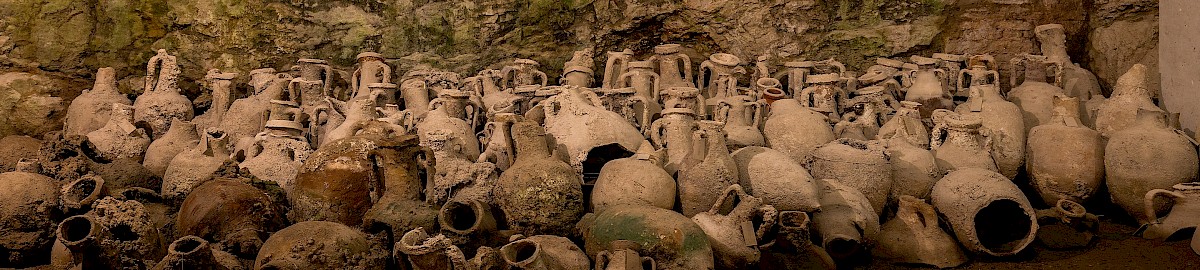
{"points": [[277, 153], [245, 116], [192, 252], [28, 208], [1035, 95], [454, 170], [469, 224], [1065, 158], [743, 117], [734, 242], [885, 73], [906, 124], [487, 86], [794, 75], [358, 112], [89, 111], [684, 97], [578, 123], [641, 77], [846, 223], [1145, 156], [627, 103], [914, 169], [416, 92], [371, 69], [1067, 225], [421, 251], [544, 252], [987, 212], [160, 100], [823, 95], [957, 142], [405, 171], [179, 138], [614, 66], [120, 138], [791, 248], [927, 87], [1003, 121], [314, 84], [769, 90], [671, 63], [498, 141], [982, 72], [1077, 81], [196, 165], [795, 130], [78, 196], [522, 72], [1129, 96], [463, 105], [577, 76], [779, 181], [857, 165], [452, 114], [674, 132], [639, 179], [709, 169], [1185, 202], [539, 194], [953, 64], [220, 85], [115, 234], [320, 245], [623, 256], [235, 215], [717, 74], [914, 237], [672, 240]]}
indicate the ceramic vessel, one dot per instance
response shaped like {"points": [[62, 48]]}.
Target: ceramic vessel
{"points": [[987, 212], [320, 245], [794, 75], [371, 69], [277, 153], [673, 65], [926, 86], [857, 165], [795, 130], [906, 124], [1004, 121], [78, 196], [579, 70], [1145, 156], [614, 66], [671, 239], [626, 102], [247, 116], [232, 214], [708, 171], [469, 224], [443, 117], [623, 256], [191, 252], [1185, 201], [1129, 95], [416, 92], [522, 72], [957, 142], [846, 223], [1067, 225], [90, 110], [544, 252], [1065, 157], [824, 95], [28, 205], [498, 142], [120, 138], [220, 86], [421, 251], [314, 84], [791, 248], [538, 194], [196, 165], [587, 131], [914, 237], [743, 117], [732, 234], [160, 101], [639, 179], [779, 181], [717, 77], [1035, 94], [673, 132], [115, 234], [1076, 81], [179, 138]]}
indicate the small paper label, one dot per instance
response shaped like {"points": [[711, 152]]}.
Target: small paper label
{"points": [[126, 127], [748, 234]]}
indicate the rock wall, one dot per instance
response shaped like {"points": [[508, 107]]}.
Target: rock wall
{"points": [[68, 40]]}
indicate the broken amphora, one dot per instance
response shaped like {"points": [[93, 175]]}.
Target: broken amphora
{"points": [[987, 212], [914, 237], [90, 110], [1145, 156]]}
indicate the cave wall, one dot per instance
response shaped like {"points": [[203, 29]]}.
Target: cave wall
{"points": [[64, 42]]}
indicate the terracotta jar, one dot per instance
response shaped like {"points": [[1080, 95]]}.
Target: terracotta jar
{"points": [[1067, 225], [196, 165], [398, 163], [791, 249], [718, 67], [220, 85], [734, 243], [779, 181], [78, 196], [858, 165], [614, 66], [522, 72], [358, 112], [673, 132], [623, 256], [709, 169], [119, 138], [1145, 156], [371, 69], [794, 75], [1129, 95], [926, 86], [906, 124], [795, 130], [416, 92], [847, 222], [579, 70], [320, 245], [1035, 95], [89, 111], [470, 224], [497, 141], [115, 234], [1065, 158], [160, 100], [675, 66], [770, 90], [421, 251], [230, 213], [954, 65], [743, 116], [627, 103], [545, 252], [824, 95], [192, 252], [1185, 202], [539, 194], [1077, 81], [617, 185], [179, 138], [914, 237], [640, 76], [671, 239], [246, 116], [454, 172], [463, 105], [957, 142], [277, 153], [28, 208], [487, 85], [914, 169], [588, 131], [447, 116], [684, 97], [981, 72], [987, 212], [314, 84], [1003, 120]]}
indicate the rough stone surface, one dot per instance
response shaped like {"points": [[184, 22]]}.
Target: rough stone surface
{"points": [[1123, 33]]}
